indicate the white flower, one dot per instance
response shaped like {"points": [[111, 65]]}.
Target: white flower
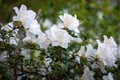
{"points": [[108, 77], [107, 51], [58, 37], [43, 41], [30, 24], [90, 52], [24, 15], [33, 28], [74, 39], [27, 17], [70, 22], [87, 75], [33, 33]]}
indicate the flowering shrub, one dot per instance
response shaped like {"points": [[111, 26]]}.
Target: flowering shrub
{"points": [[56, 53]]}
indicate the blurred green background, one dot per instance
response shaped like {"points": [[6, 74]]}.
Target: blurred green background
{"points": [[99, 17]]}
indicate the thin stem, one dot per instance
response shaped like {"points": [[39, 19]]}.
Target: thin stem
{"points": [[15, 73]]}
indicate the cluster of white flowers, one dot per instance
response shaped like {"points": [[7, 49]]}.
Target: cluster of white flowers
{"points": [[88, 75], [56, 35], [106, 54], [31, 32]]}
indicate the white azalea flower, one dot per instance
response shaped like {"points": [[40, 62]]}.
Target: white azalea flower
{"points": [[87, 75], [107, 51], [33, 28], [88, 53], [43, 41], [58, 37], [70, 22], [108, 77], [24, 15], [27, 17], [30, 24]]}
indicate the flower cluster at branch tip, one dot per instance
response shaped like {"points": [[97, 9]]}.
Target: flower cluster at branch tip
{"points": [[55, 35]]}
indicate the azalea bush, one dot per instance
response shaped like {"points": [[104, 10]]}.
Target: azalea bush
{"points": [[30, 50]]}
